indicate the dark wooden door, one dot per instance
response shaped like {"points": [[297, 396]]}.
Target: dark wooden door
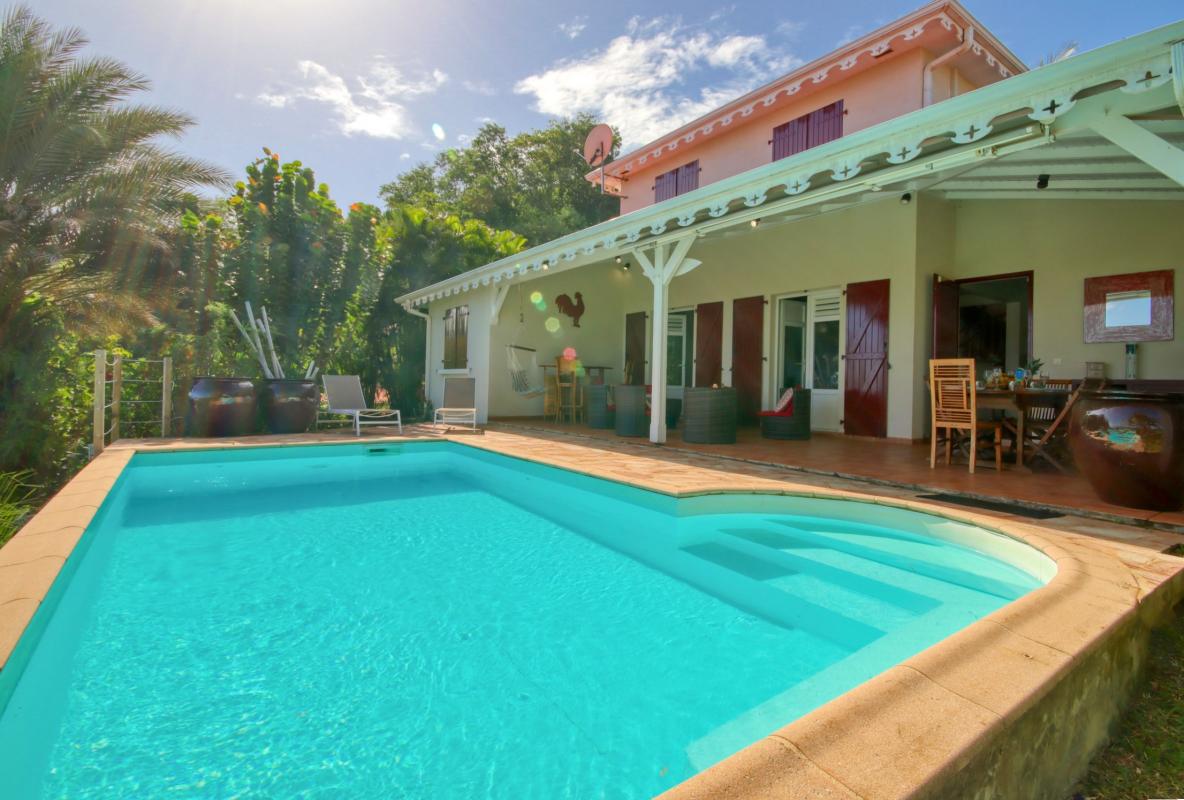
{"points": [[709, 343], [748, 324], [635, 348], [945, 318], [865, 391]]}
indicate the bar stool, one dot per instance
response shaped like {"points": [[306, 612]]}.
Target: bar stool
{"points": [[569, 391]]}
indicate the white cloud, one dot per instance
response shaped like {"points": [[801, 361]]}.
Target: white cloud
{"points": [[463, 138], [404, 156], [479, 87], [573, 28], [373, 108], [642, 81]]}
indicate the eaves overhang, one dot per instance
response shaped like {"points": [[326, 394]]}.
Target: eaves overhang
{"points": [[969, 123]]}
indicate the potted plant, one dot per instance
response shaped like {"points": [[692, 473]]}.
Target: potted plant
{"points": [[289, 405]]}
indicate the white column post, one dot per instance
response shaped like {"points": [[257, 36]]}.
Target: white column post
{"points": [[658, 356], [666, 264]]}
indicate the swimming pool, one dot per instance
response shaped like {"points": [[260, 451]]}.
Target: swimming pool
{"points": [[428, 619]]}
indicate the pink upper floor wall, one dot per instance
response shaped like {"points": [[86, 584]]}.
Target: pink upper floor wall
{"points": [[892, 88], [936, 52]]}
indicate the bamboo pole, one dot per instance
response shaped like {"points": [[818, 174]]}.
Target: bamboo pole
{"points": [[116, 395], [275, 362], [258, 343], [100, 400], [166, 396], [251, 344]]}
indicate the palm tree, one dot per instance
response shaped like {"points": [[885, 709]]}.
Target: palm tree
{"points": [[87, 195]]}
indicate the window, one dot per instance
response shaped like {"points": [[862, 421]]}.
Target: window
{"points": [[456, 338], [809, 130], [677, 181]]}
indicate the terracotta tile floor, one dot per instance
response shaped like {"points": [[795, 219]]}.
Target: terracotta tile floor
{"points": [[897, 463]]}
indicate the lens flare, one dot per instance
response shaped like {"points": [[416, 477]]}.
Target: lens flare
{"points": [[569, 353], [552, 325], [536, 300], [438, 131]]}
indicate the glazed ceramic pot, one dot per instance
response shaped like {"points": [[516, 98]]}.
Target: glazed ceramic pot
{"points": [[1130, 446], [221, 407], [289, 404]]}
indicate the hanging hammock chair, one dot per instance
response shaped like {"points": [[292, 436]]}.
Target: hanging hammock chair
{"points": [[519, 377]]}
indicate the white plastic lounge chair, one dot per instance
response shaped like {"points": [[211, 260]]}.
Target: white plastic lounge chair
{"points": [[345, 397], [460, 405]]}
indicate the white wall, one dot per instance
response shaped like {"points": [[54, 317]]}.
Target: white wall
{"points": [[599, 339], [1064, 243], [868, 242]]}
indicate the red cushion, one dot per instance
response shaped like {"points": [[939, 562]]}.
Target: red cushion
{"points": [[788, 412]]}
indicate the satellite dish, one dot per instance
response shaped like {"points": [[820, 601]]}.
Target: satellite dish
{"points": [[598, 147]]}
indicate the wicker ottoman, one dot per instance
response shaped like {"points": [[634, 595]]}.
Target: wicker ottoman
{"points": [[795, 426], [709, 415], [599, 413], [631, 419]]}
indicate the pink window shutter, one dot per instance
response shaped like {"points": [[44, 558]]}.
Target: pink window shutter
{"points": [[688, 177], [666, 186]]}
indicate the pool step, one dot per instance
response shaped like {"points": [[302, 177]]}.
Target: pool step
{"points": [[843, 593], [759, 598], [796, 535]]}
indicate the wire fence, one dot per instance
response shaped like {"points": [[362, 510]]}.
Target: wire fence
{"points": [[131, 396]]}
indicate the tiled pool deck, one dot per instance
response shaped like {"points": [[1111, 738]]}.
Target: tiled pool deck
{"points": [[1019, 698]]}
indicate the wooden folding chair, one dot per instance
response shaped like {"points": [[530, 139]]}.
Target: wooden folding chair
{"points": [[1046, 436], [954, 409]]}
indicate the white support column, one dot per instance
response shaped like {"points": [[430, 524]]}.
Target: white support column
{"points": [[1143, 145], [667, 263]]}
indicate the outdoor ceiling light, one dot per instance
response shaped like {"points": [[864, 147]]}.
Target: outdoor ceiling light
{"points": [[1042, 181], [618, 259], [906, 198], [755, 222]]}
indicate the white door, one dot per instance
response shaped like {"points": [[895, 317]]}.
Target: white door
{"points": [[824, 366], [677, 348]]}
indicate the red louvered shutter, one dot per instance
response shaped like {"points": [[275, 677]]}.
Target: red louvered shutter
{"points": [[826, 124], [790, 138], [688, 177], [666, 186]]}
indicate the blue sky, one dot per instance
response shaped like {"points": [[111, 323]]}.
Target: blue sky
{"points": [[361, 90]]}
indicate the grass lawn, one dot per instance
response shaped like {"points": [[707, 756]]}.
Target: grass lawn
{"points": [[1146, 756]]}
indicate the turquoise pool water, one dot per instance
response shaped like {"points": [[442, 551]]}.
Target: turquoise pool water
{"points": [[430, 620]]}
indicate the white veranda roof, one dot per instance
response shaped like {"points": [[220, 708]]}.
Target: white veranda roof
{"points": [[1080, 120]]}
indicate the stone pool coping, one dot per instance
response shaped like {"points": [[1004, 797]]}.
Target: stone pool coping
{"points": [[988, 707]]}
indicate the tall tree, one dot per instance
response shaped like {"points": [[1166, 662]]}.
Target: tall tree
{"points": [[85, 190], [532, 183], [87, 196]]}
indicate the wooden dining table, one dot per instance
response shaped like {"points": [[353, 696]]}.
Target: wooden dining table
{"points": [[1017, 402]]}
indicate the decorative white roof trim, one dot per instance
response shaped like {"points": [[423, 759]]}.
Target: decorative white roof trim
{"points": [[1134, 65], [787, 90]]}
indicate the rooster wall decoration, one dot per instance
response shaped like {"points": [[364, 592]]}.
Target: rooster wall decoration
{"points": [[574, 310]]}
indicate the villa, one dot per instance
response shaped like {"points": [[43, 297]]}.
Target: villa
{"points": [[675, 523], [828, 230]]}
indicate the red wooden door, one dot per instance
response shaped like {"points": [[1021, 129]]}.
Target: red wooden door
{"points": [[945, 318], [635, 348], [865, 392], [709, 343], [748, 323]]}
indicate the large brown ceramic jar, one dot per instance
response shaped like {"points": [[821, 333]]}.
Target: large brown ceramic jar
{"points": [[1130, 446], [289, 404], [221, 407]]}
